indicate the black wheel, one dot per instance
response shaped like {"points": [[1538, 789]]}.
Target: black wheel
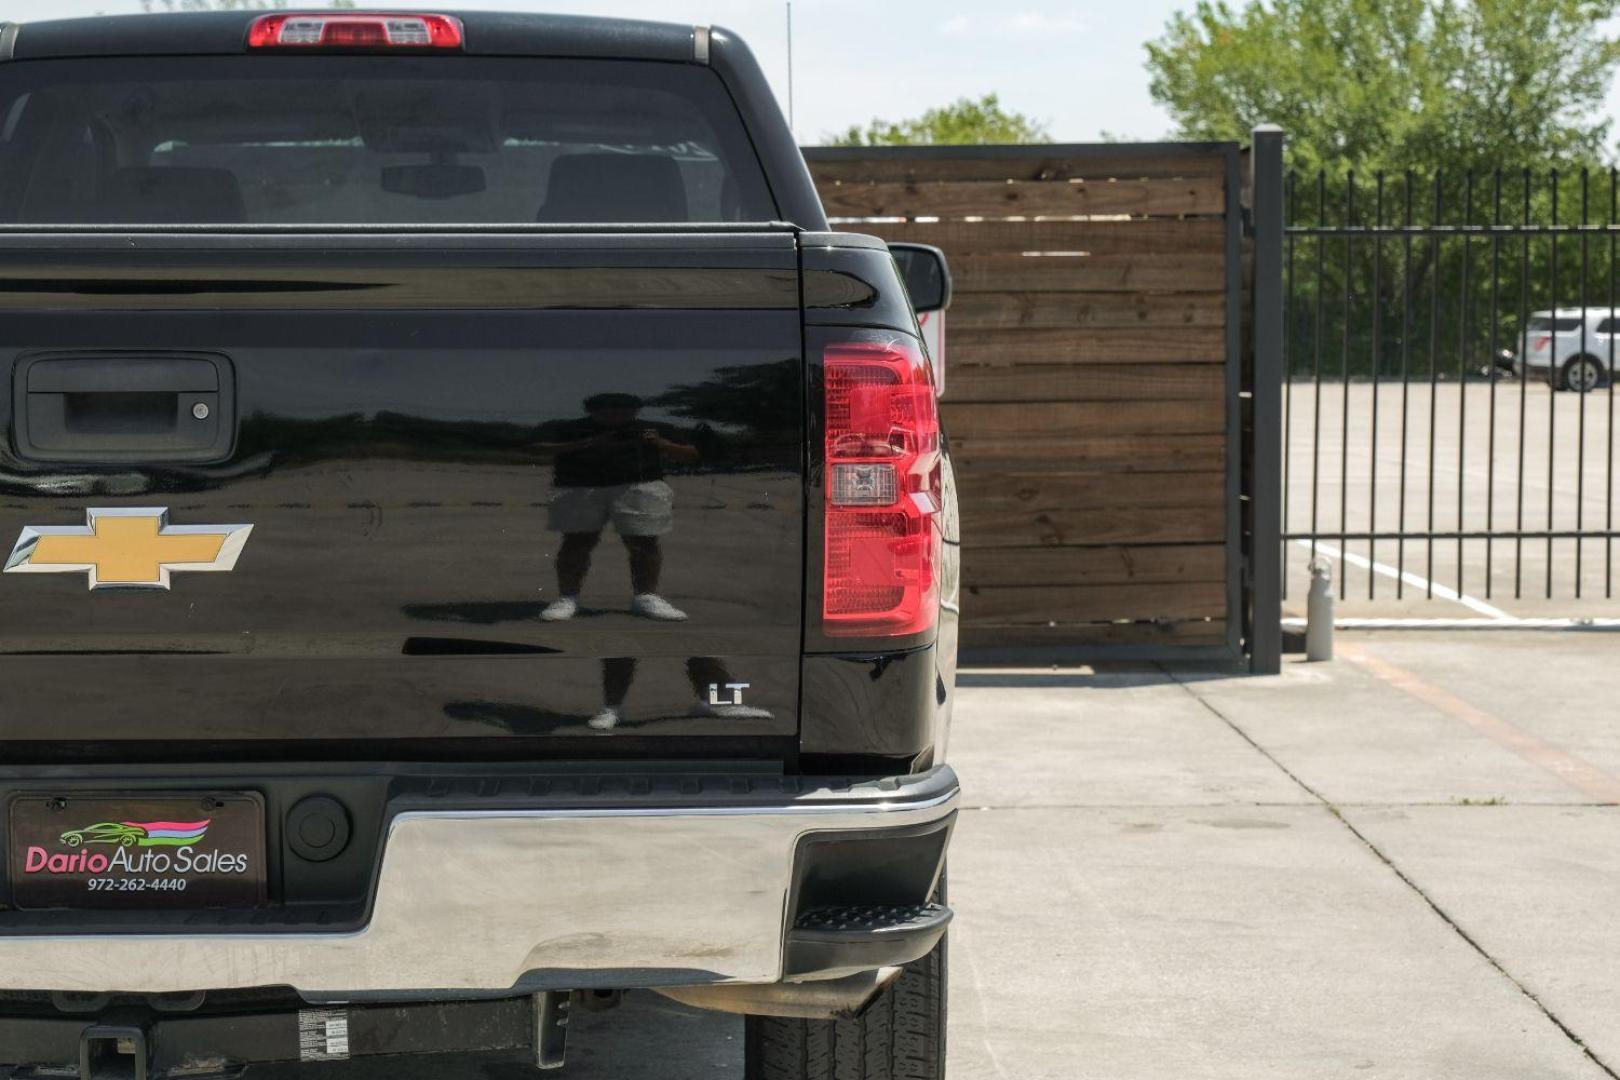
{"points": [[1583, 375], [901, 1036]]}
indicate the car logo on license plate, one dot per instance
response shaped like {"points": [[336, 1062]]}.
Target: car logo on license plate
{"points": [[127, 548]]}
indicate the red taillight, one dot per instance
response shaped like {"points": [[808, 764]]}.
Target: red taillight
{"points": [[1540, 343], [355, 30], [881, 571]]}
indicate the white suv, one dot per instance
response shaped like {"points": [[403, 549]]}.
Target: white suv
{"points": [[1555, 347]]}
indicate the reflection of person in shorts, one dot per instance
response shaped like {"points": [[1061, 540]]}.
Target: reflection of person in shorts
{"points": [[610, 469]]}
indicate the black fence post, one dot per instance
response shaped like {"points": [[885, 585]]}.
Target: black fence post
{"points": [[1263, 478]]}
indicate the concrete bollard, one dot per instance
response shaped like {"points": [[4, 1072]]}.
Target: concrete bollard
{"points": [[1319, 612]]}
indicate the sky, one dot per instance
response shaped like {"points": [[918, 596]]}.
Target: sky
{"points": [[1076, 66]]}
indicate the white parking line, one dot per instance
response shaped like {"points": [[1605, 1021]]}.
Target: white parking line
{"points": [[1415, 580], [1514, 623]]}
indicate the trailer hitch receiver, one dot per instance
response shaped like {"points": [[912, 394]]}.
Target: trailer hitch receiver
{"points": [[114, 1052]]}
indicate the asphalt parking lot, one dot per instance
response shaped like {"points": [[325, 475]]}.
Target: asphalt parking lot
{"points": [[1397, 865], [1506, 457]]}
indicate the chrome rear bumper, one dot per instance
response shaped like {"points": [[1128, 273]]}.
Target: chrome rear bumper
{"points": [[491, 900]]}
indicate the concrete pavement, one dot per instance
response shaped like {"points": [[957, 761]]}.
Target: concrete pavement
{"points": [[1536, 887], [1391, 866], [1269, 930]]}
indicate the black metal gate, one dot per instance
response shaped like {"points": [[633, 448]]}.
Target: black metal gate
{"points": [[1448, 396]]}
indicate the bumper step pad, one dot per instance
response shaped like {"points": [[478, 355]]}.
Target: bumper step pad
{"points": [[863, 937]]}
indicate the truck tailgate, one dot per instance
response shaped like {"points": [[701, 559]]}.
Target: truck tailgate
{"points": [[421, 424]]}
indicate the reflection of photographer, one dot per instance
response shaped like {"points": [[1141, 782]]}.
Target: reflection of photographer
{"points": [[610, 467]]}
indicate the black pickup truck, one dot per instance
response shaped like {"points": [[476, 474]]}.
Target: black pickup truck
{"points": [[335, 346]]}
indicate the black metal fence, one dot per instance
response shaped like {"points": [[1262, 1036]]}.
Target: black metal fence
{"points": [[1426, 442]]}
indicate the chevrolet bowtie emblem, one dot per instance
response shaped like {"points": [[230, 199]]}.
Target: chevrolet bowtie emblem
{"points": [[127, 548]]}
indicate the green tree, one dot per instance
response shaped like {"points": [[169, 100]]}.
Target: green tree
{"points": [[964, 122], [1424, 100], [1395, 84]]}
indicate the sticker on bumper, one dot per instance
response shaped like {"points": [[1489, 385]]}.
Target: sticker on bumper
{"points": [[323, 1035]]}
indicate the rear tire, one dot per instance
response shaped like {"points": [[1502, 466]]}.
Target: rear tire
{"points": [[901, 1036]]}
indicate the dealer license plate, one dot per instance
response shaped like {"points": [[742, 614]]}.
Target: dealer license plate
{"points": [[137, 852]]}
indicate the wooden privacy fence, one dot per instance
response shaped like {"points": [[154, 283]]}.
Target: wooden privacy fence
{"points": [[1093, 379]]}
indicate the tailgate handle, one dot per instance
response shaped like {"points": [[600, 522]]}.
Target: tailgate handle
{"points": [[124, 407]]}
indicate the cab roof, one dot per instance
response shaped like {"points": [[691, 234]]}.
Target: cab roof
{"points": [[222, 33]]}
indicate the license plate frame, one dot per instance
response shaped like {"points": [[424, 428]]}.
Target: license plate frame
{"points": [[137, 851]]}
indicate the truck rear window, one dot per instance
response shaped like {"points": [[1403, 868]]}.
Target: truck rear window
{"points": [[353, 140]]}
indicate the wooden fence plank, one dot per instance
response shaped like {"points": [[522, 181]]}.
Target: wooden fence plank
{"points": [[1111, 565], [1042, 420], [1122, 453], [1002, 310], [1167, 635], [1081, 382], [1002, 510], [1089, 273], [999, 198], [1041, 604], [1085, 345], [1062, 526], [1020, 493], [1199, 236], [833, 165]]}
